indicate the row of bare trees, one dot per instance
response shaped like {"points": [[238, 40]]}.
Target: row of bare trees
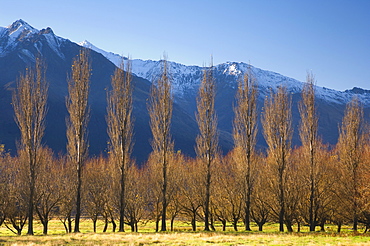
{"points": [[310, 184], [55, 190]]}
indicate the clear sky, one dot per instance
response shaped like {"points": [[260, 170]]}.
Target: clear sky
{"points": [[331, 38]]}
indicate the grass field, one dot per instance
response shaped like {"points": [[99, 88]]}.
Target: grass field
{"points": [[147, 236]]}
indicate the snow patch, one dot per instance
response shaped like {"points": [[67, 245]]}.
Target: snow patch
{"points": [[232, 70], [114, 58], [54, 43], [26, 56]]}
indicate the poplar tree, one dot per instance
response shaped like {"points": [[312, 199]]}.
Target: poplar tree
{"points": [[78, 110], [245, 131], [351, 145], [277, 130], [160, 112], [310, 143], [207, 139], [29, 103], [120, 128]]}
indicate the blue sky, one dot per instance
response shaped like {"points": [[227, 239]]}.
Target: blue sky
{"points": [[331, 38]]}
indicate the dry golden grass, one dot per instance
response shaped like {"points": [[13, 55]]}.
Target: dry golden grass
{"points": [[183, 238], [148, 237]]}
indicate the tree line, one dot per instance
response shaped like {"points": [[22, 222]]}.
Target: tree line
{"points": [[312, 184]]}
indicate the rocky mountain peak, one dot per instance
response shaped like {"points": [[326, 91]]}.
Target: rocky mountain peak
{"points": [[20, 29]]}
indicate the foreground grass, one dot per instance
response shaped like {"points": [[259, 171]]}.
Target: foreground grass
{"points": [[183, 238], [146, 236]]}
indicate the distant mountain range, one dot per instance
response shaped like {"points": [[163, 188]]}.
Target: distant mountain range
{"points": [[20, 43]]}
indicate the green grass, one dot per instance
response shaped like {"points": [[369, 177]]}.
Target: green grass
{"points": [[181, 236]]}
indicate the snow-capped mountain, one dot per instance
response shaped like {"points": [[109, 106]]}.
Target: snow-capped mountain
{"points": [[22, 32], [20, 43], [187, 78]]}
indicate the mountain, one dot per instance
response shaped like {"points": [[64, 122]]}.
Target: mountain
{"points": [[186, 79], [20, 43]]}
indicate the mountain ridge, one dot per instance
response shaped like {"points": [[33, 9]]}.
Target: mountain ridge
{"points": [[58, 58], [59, 53], [149, 69]]}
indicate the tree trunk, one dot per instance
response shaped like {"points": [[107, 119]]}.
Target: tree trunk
{"points": [[30, 201], [211, 224], [339, 227], [355, 220], [282, 202], [312, 221], [105, 225], [94, 225], [114, 225], [289, 226], [281, 219], [322, 226], [65, 226], [164, 192], [78, 200], [172, 222], [248, 195], [194, 222], [247, 212], [223, 222], [45, 226], [260, 226], [206, 204], [235, 224], [122, 203], [366, 228], [157, 225], [69, 224]]}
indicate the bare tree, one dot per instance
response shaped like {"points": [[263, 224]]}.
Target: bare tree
{"points": [[120, 128], [351, 146], [207, 139], [96, 187], [48, 188], [78, 110], [160, 111], [67, 192], [308, 133], [260, 210], [137, 196], [245, 131], [153, 175], [29, 103], [4, 184], [228, 190], [175, 207], [277, 126], [190, 197], [16, 209]]}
